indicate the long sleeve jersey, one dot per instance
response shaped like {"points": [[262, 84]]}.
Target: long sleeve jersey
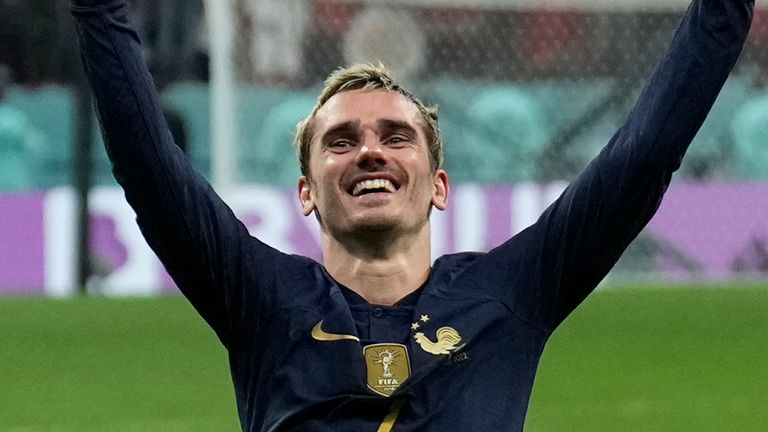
{"points": [[461, 353]]}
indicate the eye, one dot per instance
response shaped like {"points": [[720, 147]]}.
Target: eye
{"points": [[397, 140], [340, 144]]}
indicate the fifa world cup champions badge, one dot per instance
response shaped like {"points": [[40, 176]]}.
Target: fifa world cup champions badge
{"points": [[388, 366]]}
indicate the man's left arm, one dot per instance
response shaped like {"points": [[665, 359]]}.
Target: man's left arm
{"points": [[580, 237]]}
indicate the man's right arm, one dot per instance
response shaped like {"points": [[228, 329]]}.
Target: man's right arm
{"points": [[198, 239]]}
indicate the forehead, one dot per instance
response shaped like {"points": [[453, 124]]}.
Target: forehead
{"points": [[366, 106]]}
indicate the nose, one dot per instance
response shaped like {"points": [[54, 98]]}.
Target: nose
{"points": [[371, 152]]}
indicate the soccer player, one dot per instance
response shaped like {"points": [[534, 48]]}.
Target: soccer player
{"points": [[377, 338]]}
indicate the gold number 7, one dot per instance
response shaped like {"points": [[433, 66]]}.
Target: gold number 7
{"points": [[389, 420]]}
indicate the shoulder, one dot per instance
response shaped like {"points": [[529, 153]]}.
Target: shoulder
{"points": [[456, 263], [452, 273]]}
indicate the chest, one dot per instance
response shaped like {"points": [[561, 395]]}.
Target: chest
{"points": [[438, 346]]}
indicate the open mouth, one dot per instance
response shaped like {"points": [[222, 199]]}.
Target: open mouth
{"points": [[372, 186]]}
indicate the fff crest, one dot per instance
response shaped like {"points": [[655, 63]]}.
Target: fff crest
{"points": [[388, 366], [446, 342]]}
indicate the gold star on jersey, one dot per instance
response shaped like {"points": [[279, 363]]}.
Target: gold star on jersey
{"points": [[447, 339]]}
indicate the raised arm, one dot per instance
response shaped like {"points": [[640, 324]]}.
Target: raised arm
{"points": [[554, 264], [194, 233]]}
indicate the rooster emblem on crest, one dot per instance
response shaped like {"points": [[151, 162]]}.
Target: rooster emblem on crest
{"points": [[448, 340]]}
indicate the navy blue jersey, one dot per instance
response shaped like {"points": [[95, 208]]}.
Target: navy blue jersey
{"points": [[307, 354]]}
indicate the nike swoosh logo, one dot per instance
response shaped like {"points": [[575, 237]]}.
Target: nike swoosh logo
{"points": [[319, 334]]}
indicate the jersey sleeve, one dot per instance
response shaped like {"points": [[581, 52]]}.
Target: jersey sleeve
{"points": [[193, 232], [549, 268]]}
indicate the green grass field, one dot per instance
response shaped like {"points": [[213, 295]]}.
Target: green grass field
{"points": [[627, 360]]}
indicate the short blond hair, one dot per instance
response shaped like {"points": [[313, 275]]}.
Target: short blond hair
{"points": [[374, 77]]}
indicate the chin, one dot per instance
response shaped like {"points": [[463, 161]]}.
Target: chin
{"points": [[375, 223]]}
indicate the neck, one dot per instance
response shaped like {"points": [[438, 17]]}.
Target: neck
{"points": [[380, 267]]}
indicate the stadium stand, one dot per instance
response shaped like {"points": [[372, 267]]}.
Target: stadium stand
{"points": [[480, 122], [750, 134], [17, 140], [271, 150], [50, 111]]}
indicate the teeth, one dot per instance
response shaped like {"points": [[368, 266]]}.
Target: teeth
{"points": [[373, 184]]}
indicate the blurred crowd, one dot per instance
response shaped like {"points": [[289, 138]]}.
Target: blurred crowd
{"points": [[297, 41]]}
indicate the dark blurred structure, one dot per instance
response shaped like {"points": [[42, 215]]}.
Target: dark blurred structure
{"points": [[37, 39]]}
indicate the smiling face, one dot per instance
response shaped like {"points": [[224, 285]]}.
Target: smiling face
{"points": [[369, 165]]}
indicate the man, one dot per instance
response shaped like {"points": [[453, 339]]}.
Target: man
{"points": [[377, 338]]}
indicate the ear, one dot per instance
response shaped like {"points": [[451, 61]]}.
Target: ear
{"points": [[440, 193], [305, 196]]}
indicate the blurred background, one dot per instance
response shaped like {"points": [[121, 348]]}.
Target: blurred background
{"points": [[528, 92]]}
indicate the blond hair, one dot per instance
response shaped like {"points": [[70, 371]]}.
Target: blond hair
{"points": [[367, 76]]}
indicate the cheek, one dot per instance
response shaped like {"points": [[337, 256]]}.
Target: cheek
{"points": [[327, 192], [329, 166], [320, 171]]}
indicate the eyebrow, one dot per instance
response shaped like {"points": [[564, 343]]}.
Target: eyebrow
{"points": [[392, 125], [349, 126]]}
